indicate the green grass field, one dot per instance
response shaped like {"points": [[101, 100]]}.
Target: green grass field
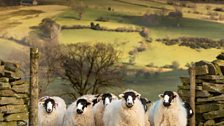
{"points": [[8, 49], [16, 22], [161, 27]]}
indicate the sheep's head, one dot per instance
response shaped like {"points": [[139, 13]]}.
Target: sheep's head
{"points": [[168, 98], [189, 110], [81, 105], [107, 98], [144, 102], [130, 96], [49, 104]]}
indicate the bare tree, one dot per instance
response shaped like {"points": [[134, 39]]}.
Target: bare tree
{"points": [[90, 68], [49, 67], [79, 7]]}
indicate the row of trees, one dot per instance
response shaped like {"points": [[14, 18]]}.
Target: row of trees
{"points": [[9, 2]]}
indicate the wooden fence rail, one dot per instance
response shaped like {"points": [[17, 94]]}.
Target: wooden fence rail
{"points": [[192, 93], [33, 113]]}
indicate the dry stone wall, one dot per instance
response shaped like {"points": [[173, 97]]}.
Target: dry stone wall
{"points": [[13, 96], [209, 92]]}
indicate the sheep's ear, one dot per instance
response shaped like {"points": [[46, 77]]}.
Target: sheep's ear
{"points": [[88, 103], [121, 95], [43, 98], [174, 96], [148, 101], [97, 95], [94, 101], [161, 95], [41, 103], [138, 95]]}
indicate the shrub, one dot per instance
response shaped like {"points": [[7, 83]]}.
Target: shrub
{"points": [[132, 52], [109, 8], [49, 28], [150, 65], [149, 39], [219, 9], [196, 12], [141, 49], [144, 33], [92, 25], [176, 14], [175, 65], [95, 27]]}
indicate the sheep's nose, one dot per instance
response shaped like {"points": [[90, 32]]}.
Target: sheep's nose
{"points": [[166, 104], [79, 111], [129, 105], [48, 110]]}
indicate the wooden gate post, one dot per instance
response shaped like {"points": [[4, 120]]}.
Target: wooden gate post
{"points": [[192, 94], [33, 110]]}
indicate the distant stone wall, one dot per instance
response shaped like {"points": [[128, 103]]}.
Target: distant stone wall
{"points": [[209, 92], [13, 96]]}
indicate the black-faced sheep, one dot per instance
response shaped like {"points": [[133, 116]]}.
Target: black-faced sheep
{"points": [[127, 111], [80, 112], [189, 110], [168, 111], [51, 111], [144, 102], [104, 100]]}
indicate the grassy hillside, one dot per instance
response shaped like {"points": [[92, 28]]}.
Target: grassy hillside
{"points": [[16, 22], [161, 54], [9, 49], [129, 14]]}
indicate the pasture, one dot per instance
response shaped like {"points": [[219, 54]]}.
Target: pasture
{"points": [[16, 22]]}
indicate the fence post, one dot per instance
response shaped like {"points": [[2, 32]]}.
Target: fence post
{"points": [[192, 93], [33, 110]]}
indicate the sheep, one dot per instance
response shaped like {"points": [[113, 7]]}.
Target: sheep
{"points": [[127, 111], [51, 111], [104, 99], [168, 111], [80, 112], [189, 110], [144, 102]]}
